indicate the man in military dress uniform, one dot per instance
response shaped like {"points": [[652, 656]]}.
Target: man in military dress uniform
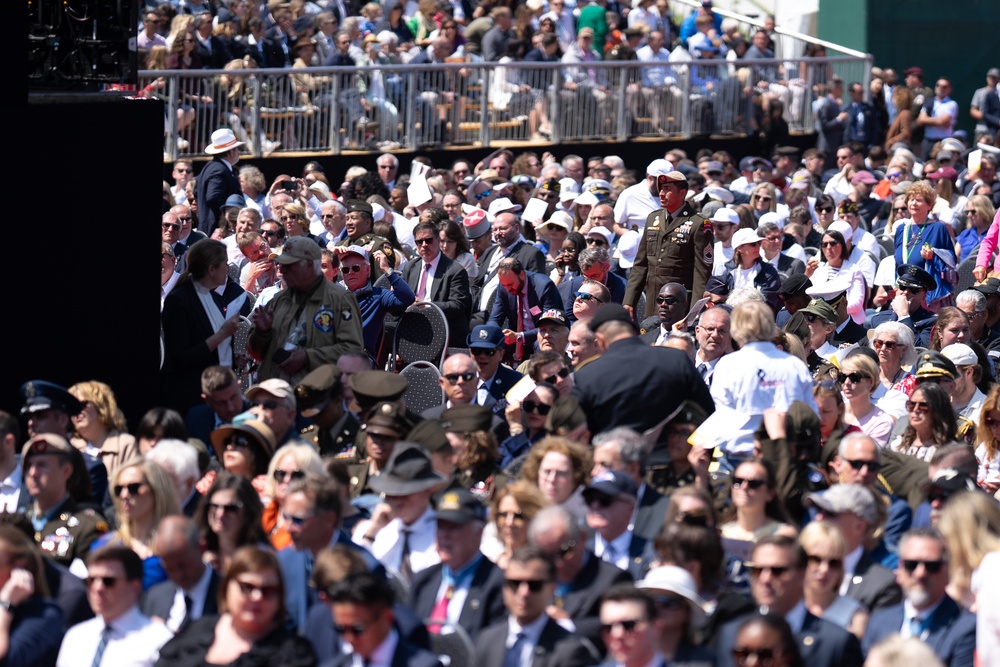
{"points": [[678, 247], [320, 397], [310, 323], [360, 220], [907, 307], [64, 533]]}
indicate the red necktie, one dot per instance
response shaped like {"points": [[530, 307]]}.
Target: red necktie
{"points": [[440, 610], [519, 346], [422, 291]]}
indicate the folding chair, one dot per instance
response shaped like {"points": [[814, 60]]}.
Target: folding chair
{"points": [[965, 267], [424, 391], [243, 364], [421, 335], [451, 643]]}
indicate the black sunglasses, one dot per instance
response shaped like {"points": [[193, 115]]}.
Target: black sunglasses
{"points": [[854, 377], [281, 475], [269, 404], [351, 269], [476, 351], [824, 209], [227, 508], [552, 379], [752, 484], [599, 242], [534, 585], [454, 377], [238, 441], [133, 488], [911, 289], [246, 588], [887, 344], [584, 296], [427, 241], [931, 566], [757, 570], [834, 563], [540, 408], [628, 627], [602, 499], [107, 582], [666, 300], [829, 244], [357, 629], [858, 464]]}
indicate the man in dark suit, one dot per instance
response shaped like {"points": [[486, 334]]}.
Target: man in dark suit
{"points": [[595, 264], [851, 507], [613, 389], [520, 301], [224, 399], [611, 501], [465, 588], [671, 306], [459, 380], [777, 571], [218, 180], [581, 577], [436, 278], [507, 236], [529, 637], [362, 607], [624, 450], [928, 613], [213, 51], [192, 588], [495, 379]]}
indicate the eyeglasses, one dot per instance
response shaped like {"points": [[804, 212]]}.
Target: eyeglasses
{"points": [[481, 351], [600, 242], [931, 566], [296, 521], [171, 225], [562, 373], [810, 317], [859, 465], [895, 174], [829, 244], [248, 589], [584, 296], [762, 656], [227, 508], [971, 212], [511, 516], [269, 404], [532, 406], [426, 241], [534, 585], [357, 629], [288, 218], [911, 289], [269, 232], [899, 210], [281, 476], [183, 170], [750, 484], [920, 407], [455, 377], [133, 488], [483, 195], [833, 563], [351, 269], [763, 199], [555, 228], [939, 497], [565, 549], [824, 209], [887, 344], [331, 216], [666, 300], [777, 571], [628, 627], [854, 377], [238, 441], [107, 582]]}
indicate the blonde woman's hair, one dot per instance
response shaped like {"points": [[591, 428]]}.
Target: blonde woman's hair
{"points": [[862, 364], [306, 459], [103, 399], [164, 497], [897, 651], [970, 523]]}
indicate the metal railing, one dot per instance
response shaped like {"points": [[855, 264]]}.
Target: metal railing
{"points": [[373, 109]]}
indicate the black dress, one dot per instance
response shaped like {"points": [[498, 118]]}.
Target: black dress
{"points": [[281, 647]]}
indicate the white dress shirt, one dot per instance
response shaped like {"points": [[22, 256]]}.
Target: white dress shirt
{"points": [[135, 641], [10, 490], [619, 549], [388, 544], [198, 594], [850, 564]]}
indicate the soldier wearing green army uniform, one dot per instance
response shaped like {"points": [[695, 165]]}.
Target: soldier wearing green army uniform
{"points": [[360, 220], [381, 432], [64, 532], [320, 397]]}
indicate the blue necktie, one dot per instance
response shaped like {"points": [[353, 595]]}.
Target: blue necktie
{"points": [[105, 636], [513, 656]]}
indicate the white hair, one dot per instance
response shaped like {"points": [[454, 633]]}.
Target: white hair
{"points": [[178, 458], [744, 295]]}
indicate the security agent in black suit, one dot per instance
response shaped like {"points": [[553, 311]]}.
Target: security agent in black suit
{"points": [[362, 607], [449, 282], [529, 637], [624, 450], [614, 389], [191, 590], [218, 180], [777, 570], [461, 518], [581, 577]]}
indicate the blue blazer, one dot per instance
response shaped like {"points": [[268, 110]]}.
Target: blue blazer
{"points": [[952, 631], [503, 380], [614, 282], [542, 296], [821, 644], [406, 655], [214, 185]]}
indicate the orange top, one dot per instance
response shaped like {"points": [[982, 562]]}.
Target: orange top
{"points": [[269, 520]]}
